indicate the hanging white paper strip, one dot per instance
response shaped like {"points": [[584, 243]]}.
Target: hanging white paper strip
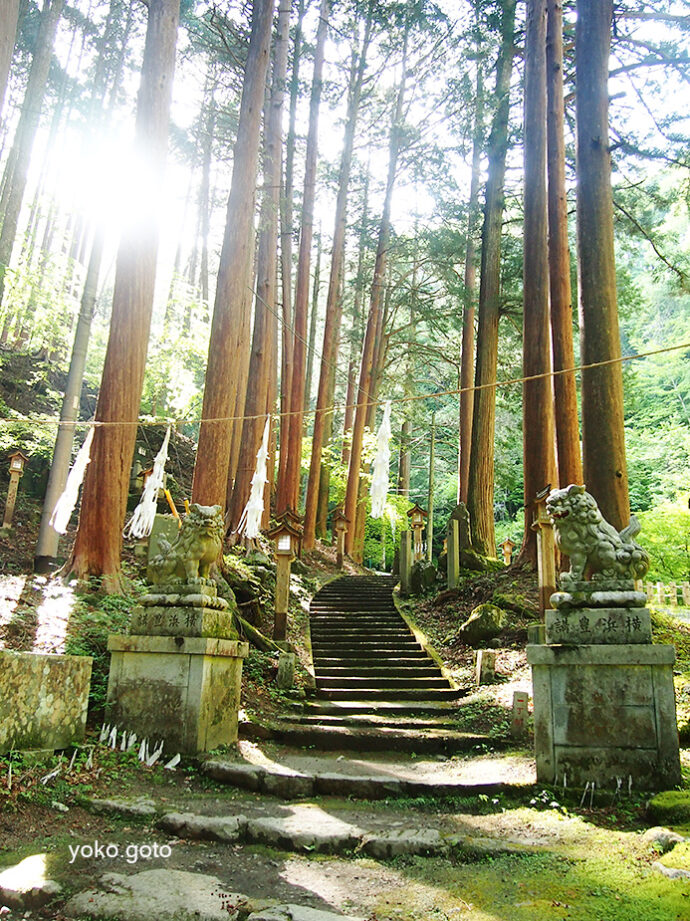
{"points": [[379, 474], [250, 523], [143, 516], [65, 504]]}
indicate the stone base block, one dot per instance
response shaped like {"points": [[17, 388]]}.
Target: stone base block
{"points": [[604, 712], [181, 621], [43, 700], [185, 690], [611, 626]]}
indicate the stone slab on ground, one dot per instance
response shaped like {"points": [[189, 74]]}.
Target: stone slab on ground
{"points": [[218, 828], [138, 808], [290, 773], [182, 896], [23, 886]]}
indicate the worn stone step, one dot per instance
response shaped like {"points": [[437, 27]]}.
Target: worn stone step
{"points": [[373, 720], [373, 682], [391, 633], [415, 658], [390, 694], [391, 708], [381, 671]]}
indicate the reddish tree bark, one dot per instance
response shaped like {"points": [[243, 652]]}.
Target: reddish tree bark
{"points": [[288, 490], [99, 538], [564, 385], [480, 493], [334, 304], [603, 435], [263, 348], [537, 395], [375, 306], [230, 324]]}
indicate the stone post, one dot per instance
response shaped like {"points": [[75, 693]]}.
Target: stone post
{"points": [[17, 461], [673, 594], [485, 666], [453, 553], [405, 562], [686, 593], [660, 593], [546, 554], [518, 723], [282, 596]]}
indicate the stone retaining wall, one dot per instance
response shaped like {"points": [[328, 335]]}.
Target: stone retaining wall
{"points": [[43, 700]]}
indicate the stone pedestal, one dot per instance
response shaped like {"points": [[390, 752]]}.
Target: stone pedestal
{"points": [[604, 712], [178, 677]]}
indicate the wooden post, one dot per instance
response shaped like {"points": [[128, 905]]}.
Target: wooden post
{"points": [[453, 556], [282, 596], [430, 504], [405, 562], [546, 554], [17, 462], [287, 535]]}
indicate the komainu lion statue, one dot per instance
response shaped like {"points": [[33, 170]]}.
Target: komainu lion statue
{"points": [[593, 545], [197, 546]]}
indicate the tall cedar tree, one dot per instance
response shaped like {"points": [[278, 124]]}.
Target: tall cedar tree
{"points": [[537, 395], [99, 538], [480, 490], [288, 487], [262, 355], [603, 436], [9, 13], [564, 385], [469, 294], [334, 304], [17, 168], [286, 209], [364, 397], [229, 327], [99, 116]]}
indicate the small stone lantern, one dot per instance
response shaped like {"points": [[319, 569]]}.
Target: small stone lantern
{"points": [[340, 523], [287, 536], [417, 515], [18, 461], [507, 548]]}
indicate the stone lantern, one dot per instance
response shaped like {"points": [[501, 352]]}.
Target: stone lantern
{"points": [[340, 523], [287, 535], [507, 548], [17, 463], [417, 515]]}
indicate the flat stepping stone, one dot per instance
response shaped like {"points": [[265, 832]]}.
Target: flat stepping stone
{"points": [[294, 784], [308, 829], [163, 894]]}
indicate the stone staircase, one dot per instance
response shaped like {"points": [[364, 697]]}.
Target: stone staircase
{"points": [[376, 686]]}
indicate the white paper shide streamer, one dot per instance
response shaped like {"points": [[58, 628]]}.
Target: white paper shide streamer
{"points": [[141, 522], [250, 522], [65, 504], [379, 474]]}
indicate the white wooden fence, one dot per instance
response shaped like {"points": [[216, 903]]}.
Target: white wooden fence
{"points": [[667, 595]]}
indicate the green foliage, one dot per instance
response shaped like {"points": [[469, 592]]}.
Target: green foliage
{"points": [[666, 537], [95, 616]]}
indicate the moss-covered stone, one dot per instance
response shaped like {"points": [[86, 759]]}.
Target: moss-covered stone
{"points": [[515, 603], [672, 807], [484, 623]]}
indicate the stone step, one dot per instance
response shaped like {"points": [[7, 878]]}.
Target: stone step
{"points": [[415, 660], [374, 720], [391, 708], [383, 633], [375, 683], [363, 739], [369, 693], [381, 671]]}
